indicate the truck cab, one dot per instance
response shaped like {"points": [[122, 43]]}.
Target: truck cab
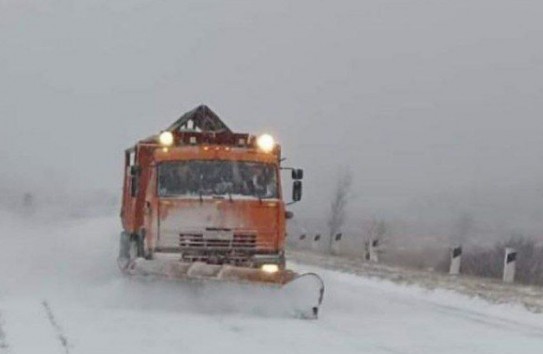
{"points": [[202, 193]]}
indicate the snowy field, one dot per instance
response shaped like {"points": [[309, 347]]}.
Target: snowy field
{"points": [[60, 292]]}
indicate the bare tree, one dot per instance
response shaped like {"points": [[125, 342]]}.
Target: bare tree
{"points": [[340, 199]]}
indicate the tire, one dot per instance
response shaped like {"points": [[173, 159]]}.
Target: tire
{"points": [[283, 262], [129, 250]]}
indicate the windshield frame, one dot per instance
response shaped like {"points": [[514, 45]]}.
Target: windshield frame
{"points": [[231, 196]]}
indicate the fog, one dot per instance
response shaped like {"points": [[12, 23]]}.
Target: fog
{"points": [[434, 106]]}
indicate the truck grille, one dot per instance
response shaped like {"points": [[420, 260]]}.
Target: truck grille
{"points": [[222, 246], [238, 242]]}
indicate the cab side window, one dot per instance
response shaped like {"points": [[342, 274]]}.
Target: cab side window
{"points": [[133, 171]]}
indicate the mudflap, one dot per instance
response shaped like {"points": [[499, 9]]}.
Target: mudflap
{"points": [[305, 294]]}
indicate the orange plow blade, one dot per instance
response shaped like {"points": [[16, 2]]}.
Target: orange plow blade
{"points": [[305, 292], [199, 270]]}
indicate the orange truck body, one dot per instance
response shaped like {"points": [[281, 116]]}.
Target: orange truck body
{"points": [[245, 230]]}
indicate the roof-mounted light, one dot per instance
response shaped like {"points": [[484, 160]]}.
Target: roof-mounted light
{"points": [[166, 138], [265, 142]]}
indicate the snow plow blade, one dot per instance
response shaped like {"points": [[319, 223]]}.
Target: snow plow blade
{"points": [[303, 292]]}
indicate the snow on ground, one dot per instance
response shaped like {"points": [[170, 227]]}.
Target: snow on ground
{"points": [[60, 292], [493, 290]]}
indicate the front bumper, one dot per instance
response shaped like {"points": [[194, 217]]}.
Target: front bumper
{"points": [[170, 267]]}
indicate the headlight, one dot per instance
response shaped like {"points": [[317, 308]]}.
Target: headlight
{"points": [[265, 142], [166, 138], [270, 268]]}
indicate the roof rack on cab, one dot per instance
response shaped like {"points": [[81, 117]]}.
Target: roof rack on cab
{"points": [[200, 119]]}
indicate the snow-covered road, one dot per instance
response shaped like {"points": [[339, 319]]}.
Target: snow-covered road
{"points": [[60, 292]]}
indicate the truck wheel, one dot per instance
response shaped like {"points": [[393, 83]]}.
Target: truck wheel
{"points": [[282, 262], [128, 251], [145, 251]]}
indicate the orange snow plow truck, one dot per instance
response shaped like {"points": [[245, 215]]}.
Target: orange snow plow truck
{"points": [[201, 202]]}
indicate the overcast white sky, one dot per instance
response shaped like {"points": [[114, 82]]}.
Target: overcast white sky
{"points": [[417, 97]]}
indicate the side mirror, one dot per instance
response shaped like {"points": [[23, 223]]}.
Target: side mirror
{"points": [[297, 174], [297, 191]]}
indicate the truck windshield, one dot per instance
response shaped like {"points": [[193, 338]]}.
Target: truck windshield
{"points": [[214, 177]]}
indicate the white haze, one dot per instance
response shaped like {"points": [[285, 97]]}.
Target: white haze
{"points": [[436, 106]]}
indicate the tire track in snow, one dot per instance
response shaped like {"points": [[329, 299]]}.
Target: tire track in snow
{"points": [[507, 325], [58, 329]]}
